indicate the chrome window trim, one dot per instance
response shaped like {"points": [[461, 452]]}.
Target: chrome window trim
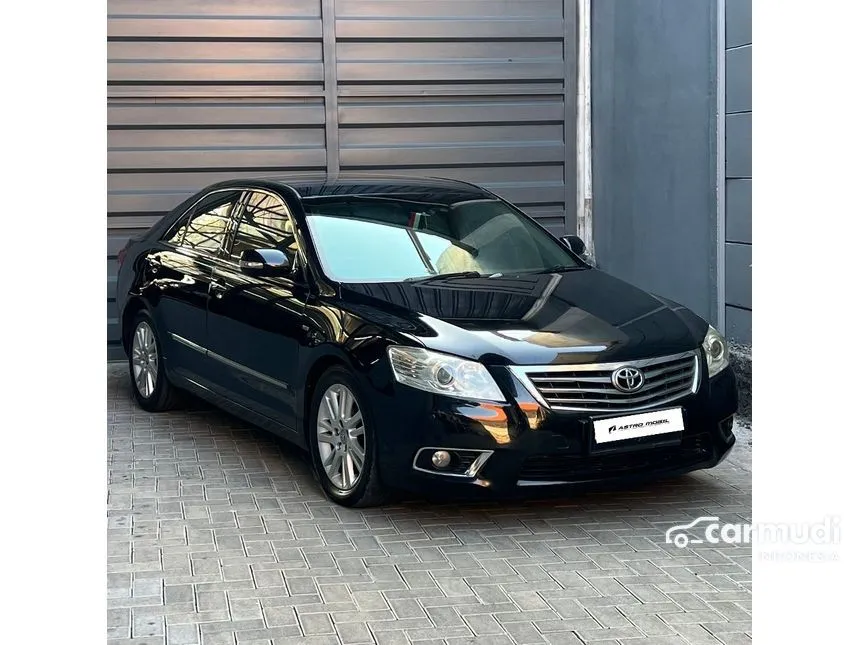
{"points": [[521, 372], [182, 219], [471, 473], [227, 361]]}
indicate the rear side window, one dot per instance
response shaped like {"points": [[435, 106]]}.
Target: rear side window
{"points": [[206, 224]]}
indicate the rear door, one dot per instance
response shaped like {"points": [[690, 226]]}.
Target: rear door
{"points": [[255, 323], [179, 272]]}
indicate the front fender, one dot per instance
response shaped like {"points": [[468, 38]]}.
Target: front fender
{"points": [[363, 351]]}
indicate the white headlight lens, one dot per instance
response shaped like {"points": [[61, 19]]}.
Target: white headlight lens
{"points": [[716, 351], [443, 374]]}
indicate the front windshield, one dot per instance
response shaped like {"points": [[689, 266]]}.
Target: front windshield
{"points": [[386, 240]]}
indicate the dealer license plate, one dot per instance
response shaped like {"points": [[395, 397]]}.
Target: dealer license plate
{"points": [[634, 426]]}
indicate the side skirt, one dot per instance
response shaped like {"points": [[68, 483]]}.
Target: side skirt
{"points": [[239, 411]]}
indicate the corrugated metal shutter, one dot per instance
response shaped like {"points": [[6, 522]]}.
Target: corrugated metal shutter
{"points": [[201, 91], [471, 89]]}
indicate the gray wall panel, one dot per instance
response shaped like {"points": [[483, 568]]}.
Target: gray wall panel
{"points": [[481, 40], [201, 91], [175, 9], [739, 324], [427, 28], [208, 113], [364, 71], [475, 89], [422, 51], [505, 110], [116, 240], [654, 140], [461, 89], [156, 91], [738, 149], [739, 79], [738, 275], [225, 139], [738, 22], [444, 135], [160, 51], [171, 27], [220, 72], [739, 210], [396, 157], [164, 158], [461, 10], [189, 85], [187, 183], [738, 224]]}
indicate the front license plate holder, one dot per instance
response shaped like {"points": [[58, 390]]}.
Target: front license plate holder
{"points": [[640, 429]]}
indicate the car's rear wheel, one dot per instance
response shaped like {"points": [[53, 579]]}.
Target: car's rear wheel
{"points": [[152, 391], [343, 443]]}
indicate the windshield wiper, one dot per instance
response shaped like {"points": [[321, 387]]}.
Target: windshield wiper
{"points": [[443, 276], [559, 268]]}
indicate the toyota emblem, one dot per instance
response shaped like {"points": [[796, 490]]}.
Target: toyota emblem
{"points": [[628, 379]]}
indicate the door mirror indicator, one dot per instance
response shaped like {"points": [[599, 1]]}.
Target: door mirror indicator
{"points": [[264, 262]]}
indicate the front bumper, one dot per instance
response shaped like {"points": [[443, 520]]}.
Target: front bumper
{"points": [[525, 447]]}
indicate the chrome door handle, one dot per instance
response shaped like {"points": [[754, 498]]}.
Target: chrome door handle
{"points": [[217, 288]]}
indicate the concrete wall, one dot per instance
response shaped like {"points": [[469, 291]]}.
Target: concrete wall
{"points": [[738, 170], [654, 137]]}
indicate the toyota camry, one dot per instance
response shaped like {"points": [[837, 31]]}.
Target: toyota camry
{"points": [[419, 334]]}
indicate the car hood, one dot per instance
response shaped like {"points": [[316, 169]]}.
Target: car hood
{"points": [[567, 317]]}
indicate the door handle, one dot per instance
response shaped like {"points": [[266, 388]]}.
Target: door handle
{"points": [[217, 289]]}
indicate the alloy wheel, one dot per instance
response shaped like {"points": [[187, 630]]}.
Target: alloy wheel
{"points": [[144, 359], [341, 437]]}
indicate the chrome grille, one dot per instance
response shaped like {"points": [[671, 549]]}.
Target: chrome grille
{"points": [[588, 388]]}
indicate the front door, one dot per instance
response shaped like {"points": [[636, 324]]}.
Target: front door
{"points": [[255, 324]]}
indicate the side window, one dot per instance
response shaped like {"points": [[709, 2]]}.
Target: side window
{"points": [[206, 225], [265, 224]]}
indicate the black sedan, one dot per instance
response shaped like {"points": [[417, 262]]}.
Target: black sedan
{"points": [[419, 335]]}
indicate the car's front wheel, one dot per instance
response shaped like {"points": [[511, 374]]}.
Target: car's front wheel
{"points": [[152, 391], [343, 443]]}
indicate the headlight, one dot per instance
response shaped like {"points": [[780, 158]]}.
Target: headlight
{"points": [[716, 351], [443, 374]]}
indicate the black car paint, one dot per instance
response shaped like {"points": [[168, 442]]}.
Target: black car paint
{"points": [[255, 345]]}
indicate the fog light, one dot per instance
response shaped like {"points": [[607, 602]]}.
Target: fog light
{"points": [[441, 459]]}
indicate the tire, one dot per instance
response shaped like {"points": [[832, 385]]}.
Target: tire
{"points": [[152, 391], [339, 445]]}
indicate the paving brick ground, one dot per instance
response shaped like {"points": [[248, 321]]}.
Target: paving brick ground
{"points": [[217, 534]]}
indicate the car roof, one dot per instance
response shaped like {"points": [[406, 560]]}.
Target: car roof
{"points": [[436, 190]]}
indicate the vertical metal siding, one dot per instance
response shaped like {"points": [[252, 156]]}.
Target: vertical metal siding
{"points": [[738, 186], [200, 91]]}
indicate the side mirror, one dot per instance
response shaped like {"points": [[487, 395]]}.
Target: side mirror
{"points": [[264, 262], [574, 243]]}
